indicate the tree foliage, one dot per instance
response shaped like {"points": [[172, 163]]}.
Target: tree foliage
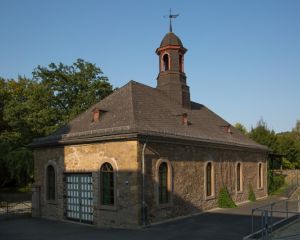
{"points": [[241, 128], [72, 89], [36, 107], [263, 135], [297, 127], [286, 144], [289, 147]]}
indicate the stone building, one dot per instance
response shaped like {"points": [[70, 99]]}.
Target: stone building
{"points": [[143, 155]]}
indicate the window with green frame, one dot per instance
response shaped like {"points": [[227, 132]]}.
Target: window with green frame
{"points": [[107, 184], [163, 183]]}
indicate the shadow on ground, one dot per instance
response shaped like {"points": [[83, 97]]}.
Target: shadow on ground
{"points": [[210, 225]]}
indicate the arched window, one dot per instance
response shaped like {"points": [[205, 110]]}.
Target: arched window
{"points": [[166, 66], [238, 177], [209, 179], [50, 183], [260, 176], [163, 183], [180, 63], [107, 184]]}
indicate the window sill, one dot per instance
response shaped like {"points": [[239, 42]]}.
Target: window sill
{"points": [[207, 198], [108, 207], [164, 205], [51, 202]]}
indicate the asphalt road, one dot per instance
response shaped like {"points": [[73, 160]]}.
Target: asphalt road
{"points": [[220, 224]]}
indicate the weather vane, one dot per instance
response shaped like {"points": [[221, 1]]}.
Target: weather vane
{"points": [[170, 17]]}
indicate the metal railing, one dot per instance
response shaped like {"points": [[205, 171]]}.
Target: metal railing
{"points": [[293, 184], [272, 216], [14, 208], [13, 203]]}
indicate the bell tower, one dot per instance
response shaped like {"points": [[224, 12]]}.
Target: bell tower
{"points": [[171, 78]]}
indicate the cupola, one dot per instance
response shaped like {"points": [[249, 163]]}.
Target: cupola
{"points": [[171, 78]]}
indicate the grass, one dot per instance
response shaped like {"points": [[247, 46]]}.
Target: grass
{"points": [[280, 191], [24, 189]]}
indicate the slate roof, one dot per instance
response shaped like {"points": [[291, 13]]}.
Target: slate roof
{"points": [[171, 39], [140, 109]]}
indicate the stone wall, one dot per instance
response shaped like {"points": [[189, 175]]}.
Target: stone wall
{"points": [[187, 187], [42, 158], [291, 175], [188, 191], [89, 158]]}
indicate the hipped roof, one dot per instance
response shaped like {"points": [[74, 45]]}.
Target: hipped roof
{"points": [[140, 109]]}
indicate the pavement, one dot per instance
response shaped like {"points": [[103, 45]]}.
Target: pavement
{"points": [[290, 231], [218, 224]]}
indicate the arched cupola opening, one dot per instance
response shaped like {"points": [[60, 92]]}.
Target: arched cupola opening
{"points": [[181, 63], [165, 62]]}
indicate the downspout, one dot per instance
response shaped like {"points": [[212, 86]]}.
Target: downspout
{"points": [[144, 207]]}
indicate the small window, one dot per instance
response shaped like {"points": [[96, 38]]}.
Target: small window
{"points": [[107, 184], [166, 66], [163, 183], [260, 176], [50, 183], [209, 179], [238, 177]]}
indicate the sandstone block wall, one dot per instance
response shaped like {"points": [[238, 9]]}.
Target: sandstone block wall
{"points": [[89, 158]]}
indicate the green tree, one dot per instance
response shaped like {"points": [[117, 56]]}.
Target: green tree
{"points": [[72, 89], [289, 146], [241, 128], [297, 127], [17, 131], [263, 135], [3, 96], [31, 108]]}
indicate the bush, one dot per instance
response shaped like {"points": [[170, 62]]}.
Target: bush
{"points": [[224, 199], [286, 164], [275, 181], [251, 194]]}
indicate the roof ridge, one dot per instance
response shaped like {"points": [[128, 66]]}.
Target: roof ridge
{"points": [[131, 83]]}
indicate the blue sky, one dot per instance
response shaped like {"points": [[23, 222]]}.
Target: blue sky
{"points": [[243, 59]]}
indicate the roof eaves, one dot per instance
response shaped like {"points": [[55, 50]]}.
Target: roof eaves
{"points": [[205, 140]]}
